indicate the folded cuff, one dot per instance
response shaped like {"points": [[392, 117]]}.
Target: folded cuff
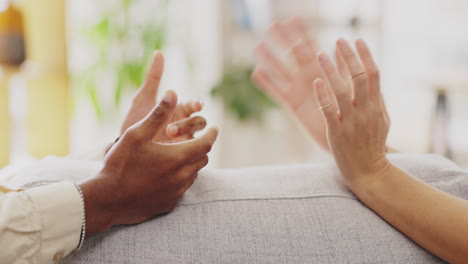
{"points": [[60, 208]]}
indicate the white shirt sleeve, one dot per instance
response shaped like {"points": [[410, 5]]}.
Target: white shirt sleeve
{"points": [[40, 225]]}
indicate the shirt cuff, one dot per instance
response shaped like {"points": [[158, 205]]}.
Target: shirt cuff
{"points": [[60, 208]]}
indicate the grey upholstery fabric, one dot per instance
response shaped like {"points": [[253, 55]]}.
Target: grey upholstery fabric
{"points": [[293, 214]]}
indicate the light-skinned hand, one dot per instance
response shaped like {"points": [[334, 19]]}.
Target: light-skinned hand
{"points": [[287, 68], [357, 126]]}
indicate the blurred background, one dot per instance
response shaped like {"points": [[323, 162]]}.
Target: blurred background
{"points": [[69, 69]]}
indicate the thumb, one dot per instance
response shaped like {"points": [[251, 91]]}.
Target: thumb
{"points": [[159, 117]]}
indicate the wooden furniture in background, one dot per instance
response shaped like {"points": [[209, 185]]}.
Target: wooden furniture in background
{"points": [[47, 78], [12, 54], [5, 120]]}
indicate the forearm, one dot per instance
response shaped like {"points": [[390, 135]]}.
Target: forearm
{"points": [[435, 220]]}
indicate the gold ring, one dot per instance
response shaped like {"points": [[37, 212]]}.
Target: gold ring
{"points": [[325, 106], [356, 75]]}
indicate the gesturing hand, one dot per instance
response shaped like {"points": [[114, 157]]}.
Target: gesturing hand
{"points": [[181, 126], [357, 127], [142, 178], [292, 86]]}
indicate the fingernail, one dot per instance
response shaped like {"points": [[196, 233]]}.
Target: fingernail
{"points": [[319, 83], [361, 42], [173, 130], [341, 43], [168, 97], [201, 101], [322, 57]]}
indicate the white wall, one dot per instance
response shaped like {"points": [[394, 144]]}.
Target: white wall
{"points": [[422, 38]]}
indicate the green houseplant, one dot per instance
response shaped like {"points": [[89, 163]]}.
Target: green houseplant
{"points": [[124, 39], [240, 96]]}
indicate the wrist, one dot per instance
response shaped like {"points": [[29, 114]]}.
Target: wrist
{"points": [[369, 178], [98, 216]]}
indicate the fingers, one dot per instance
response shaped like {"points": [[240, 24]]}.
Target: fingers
{"points": [[302, 31], [328, 108], [279, 33], [190, 171], [263, 79], [302, 55], [303, 48], [188, 108], [153, 77], [342, 68], [186, 127], [371, 68], [268, 58], [292, 36], [358, 73], [195, 148], [339, 88], [158, 118]]}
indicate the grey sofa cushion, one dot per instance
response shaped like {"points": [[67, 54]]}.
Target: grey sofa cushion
{"points": [[293, 214]]}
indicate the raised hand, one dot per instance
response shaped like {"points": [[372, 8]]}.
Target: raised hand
{"points": [[288, 74], [357, 125], [142, 178], [181, 125]]}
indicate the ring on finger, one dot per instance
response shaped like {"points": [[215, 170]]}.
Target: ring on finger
{"points": [[325, 106], [356, 75]]}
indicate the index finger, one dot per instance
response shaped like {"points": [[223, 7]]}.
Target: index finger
{"points": [[153, 77]]}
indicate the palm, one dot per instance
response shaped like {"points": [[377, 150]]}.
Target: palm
{"points": [[299, 92], [293, 86], [301, 101]]}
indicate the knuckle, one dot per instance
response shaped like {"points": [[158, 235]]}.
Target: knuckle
{"points": [[177, 182], [347, 130], [329, 115], [343, 94], [207, 147], [205, 160], [374, 73], [177, 157], [133, 134], [159, 112], [180, 193], [361, 78]]}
